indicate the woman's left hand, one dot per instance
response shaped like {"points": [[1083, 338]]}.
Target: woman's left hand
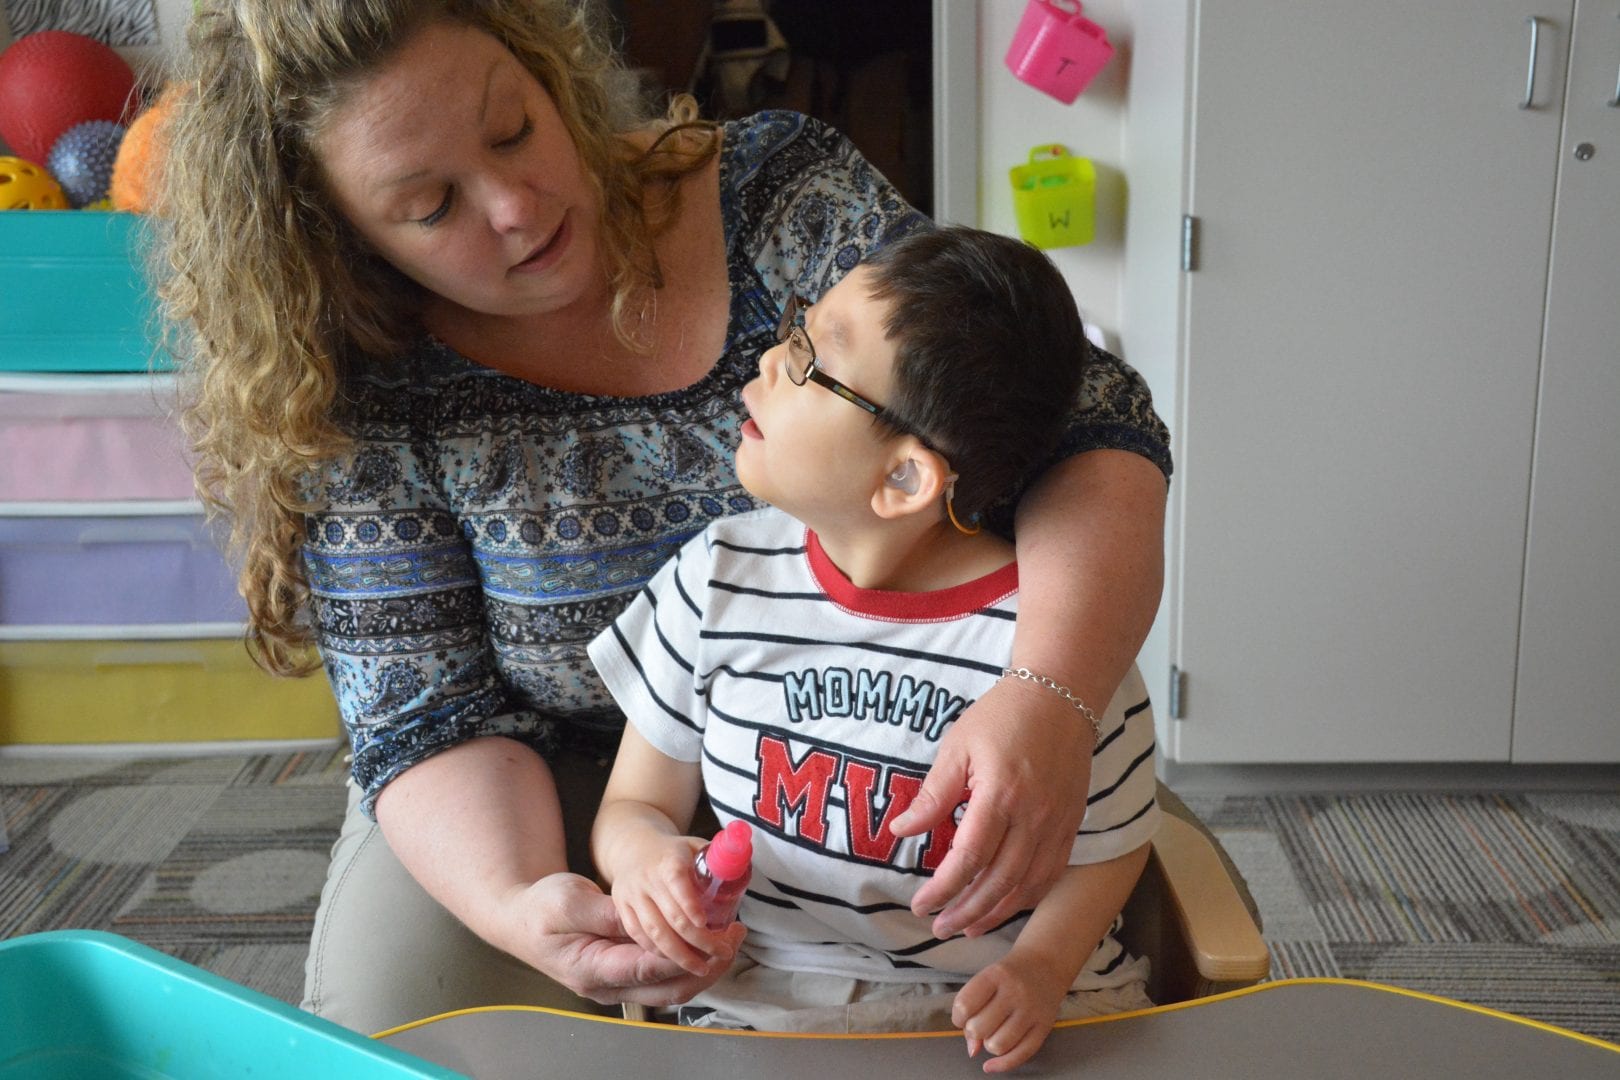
{"points": [[1025, 760]]}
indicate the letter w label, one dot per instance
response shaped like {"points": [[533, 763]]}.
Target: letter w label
{"points": [[787, 789]]}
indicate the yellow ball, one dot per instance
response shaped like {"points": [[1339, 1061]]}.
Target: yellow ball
{"points": [[26, 186]]}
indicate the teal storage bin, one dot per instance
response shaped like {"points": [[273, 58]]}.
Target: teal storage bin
{"points": [[86, 1005], [73, 293]]}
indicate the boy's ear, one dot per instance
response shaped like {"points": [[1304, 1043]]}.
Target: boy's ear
{"points": [[915, 481]]}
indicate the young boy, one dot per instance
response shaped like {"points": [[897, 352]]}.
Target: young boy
{"points": [[800, 670]]}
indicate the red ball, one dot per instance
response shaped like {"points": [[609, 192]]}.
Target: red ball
{"points": [[54, 80]]}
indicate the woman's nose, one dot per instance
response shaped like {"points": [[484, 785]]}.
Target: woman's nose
{"points": [[510, 203]]}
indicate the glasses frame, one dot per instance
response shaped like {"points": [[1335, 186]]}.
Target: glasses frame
{"points": [[792, 331]]}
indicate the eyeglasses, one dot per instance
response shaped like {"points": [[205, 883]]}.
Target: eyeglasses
{"points": [[799, 360]]}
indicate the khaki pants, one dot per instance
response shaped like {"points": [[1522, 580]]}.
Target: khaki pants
{"points": [[767, 999], [384, 953]]}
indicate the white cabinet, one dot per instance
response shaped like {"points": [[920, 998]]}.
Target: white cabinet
{"points": [[1396, 357], [1568, 702]]}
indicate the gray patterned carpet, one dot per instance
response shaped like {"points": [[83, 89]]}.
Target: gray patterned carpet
{"points": [[1507, 901], [215, 860], [1510, 902]]}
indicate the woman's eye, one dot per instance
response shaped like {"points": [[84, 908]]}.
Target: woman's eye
{"points": [[438, 214], [522, 133]]}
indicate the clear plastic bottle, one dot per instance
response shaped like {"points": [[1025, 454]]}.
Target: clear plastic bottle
{"points": [[722, 870]]}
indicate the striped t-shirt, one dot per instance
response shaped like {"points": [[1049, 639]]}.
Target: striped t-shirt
{"points": [[816, 708]]}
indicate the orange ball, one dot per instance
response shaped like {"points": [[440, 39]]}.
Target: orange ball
{"points": [[140, 155]]}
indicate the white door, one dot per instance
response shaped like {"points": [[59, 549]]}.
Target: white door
{"points": [[1360, 375], [1569, 652]]}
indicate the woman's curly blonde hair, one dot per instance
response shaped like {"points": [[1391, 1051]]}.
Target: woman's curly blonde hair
{"points": [[269, 296]]}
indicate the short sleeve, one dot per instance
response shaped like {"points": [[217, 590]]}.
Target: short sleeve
{"points": [[650, 658], [1122, 811], [806, 205], [1115, 412]]}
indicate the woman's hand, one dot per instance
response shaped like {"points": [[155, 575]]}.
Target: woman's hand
{"points": [[566, 927], [1025, 760]]}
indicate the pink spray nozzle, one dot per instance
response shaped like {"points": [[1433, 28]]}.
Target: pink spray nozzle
{"points": [[730, 851]]}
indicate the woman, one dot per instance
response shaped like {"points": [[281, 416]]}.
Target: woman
{"points": [[465, 336]]}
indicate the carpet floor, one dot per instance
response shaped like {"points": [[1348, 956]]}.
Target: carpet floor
{"points": [[1510, 901]]}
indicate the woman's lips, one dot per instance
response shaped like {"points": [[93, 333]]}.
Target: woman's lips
{"points": [[750, 430], [542, 257]]}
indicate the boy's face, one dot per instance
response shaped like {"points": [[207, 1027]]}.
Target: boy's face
{"points": [[805, 449]]}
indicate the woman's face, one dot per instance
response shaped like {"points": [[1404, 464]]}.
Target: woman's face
{"points": [[454, 164]]}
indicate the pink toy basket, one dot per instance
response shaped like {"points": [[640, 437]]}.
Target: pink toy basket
{"points": [[1057, 49], [82, 444]]}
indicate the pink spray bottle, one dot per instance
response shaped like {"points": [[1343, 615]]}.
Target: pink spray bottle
{"points": [[722, 870]]}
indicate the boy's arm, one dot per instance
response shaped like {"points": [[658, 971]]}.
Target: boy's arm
{"points": [[648, 794], [638, 843], [1009, 1007]]}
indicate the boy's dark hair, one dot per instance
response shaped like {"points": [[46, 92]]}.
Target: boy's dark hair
{"points": [[989, 353]]}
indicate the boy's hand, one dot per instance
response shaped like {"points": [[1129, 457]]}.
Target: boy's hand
{"points": [[564, 926], [1008, 1009], [657, 901]]}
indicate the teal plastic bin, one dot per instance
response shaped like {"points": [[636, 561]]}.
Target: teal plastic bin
{"points": [[73, 292], [86, 1005]]}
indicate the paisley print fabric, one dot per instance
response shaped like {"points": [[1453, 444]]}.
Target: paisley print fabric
{"points": [[485, 529]]}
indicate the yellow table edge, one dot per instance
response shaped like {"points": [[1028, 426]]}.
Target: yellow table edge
{"points": [[1261, 988]]}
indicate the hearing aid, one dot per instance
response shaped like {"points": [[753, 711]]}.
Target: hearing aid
{"points": [[905, 478]]}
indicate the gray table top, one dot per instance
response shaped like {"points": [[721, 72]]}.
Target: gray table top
{"points": [[1322, 1028]]}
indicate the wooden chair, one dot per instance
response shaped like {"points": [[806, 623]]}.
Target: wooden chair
{"points": [[1191, 914]]}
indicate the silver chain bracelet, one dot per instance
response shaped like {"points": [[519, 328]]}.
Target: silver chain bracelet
{"points": [[1063, 692]]}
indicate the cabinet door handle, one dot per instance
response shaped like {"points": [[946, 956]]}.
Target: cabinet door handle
{"points": [[1530, 76]]}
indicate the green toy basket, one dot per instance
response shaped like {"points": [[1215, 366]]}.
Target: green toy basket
{"points": [[1055, 197]]}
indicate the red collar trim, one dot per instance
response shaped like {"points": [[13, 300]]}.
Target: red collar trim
{"points": [[936, 606]]}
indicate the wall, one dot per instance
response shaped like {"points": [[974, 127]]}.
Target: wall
{"points": [[1013, 117], [1130, 293]]}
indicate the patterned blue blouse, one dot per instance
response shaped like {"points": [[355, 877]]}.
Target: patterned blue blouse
{"points": [[484, 529]]}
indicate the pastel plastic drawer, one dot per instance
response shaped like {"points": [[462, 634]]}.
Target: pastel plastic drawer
{"points": [[75, 296], [113, 569], [135, 690], [82, 1004], [101, 437]]}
